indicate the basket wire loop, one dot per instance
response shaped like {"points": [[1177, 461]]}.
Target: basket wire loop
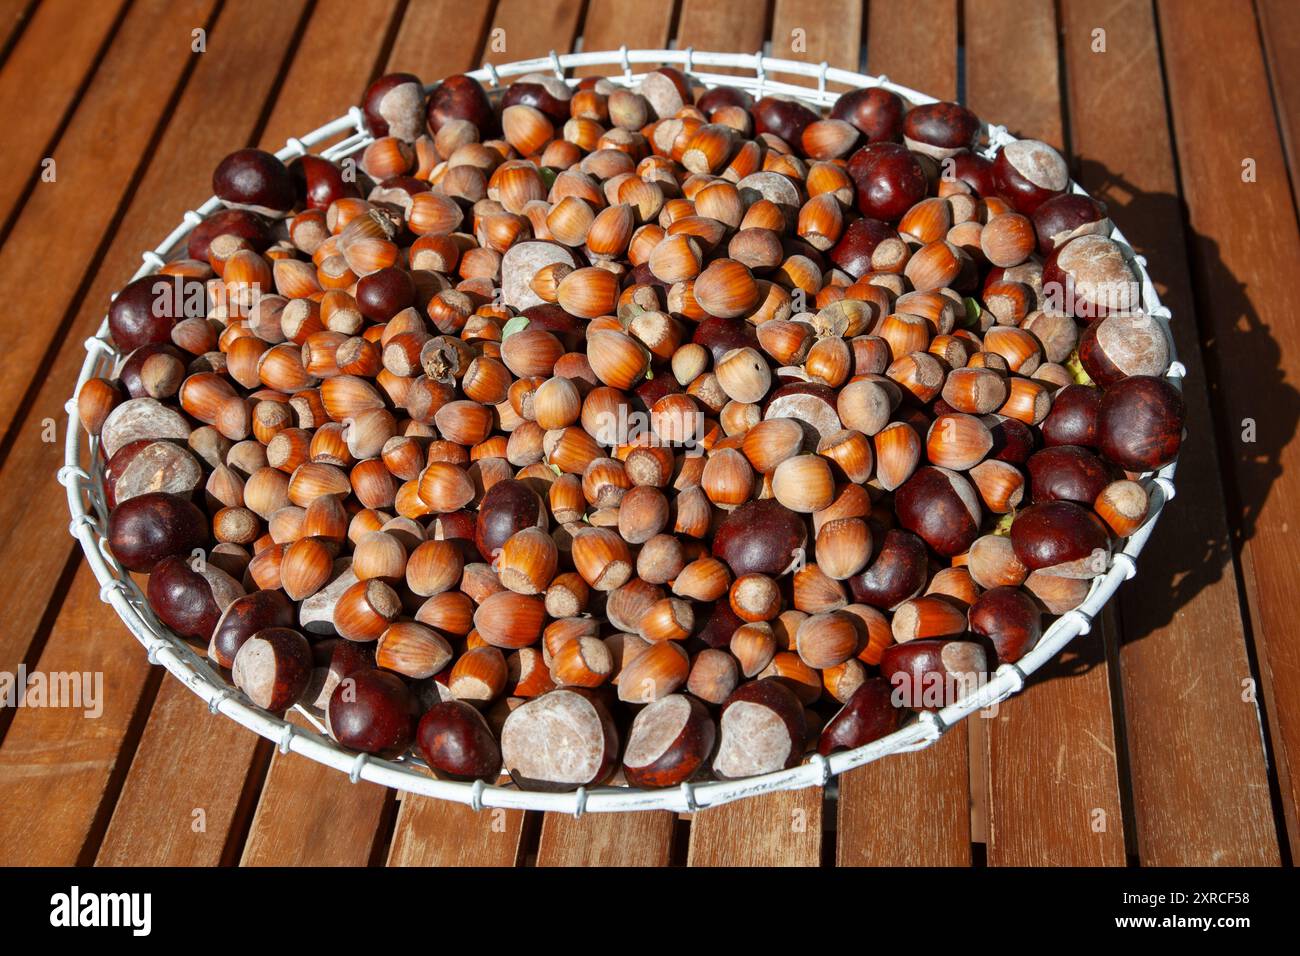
{"points": [[86, 504]]}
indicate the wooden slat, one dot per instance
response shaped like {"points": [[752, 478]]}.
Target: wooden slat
{"points": [[433, 832], [881, 821], [1279, 26], [37, 89], [1245, 257], [1197, 769], [312, 815], [728, 26], [909, 809], [60, 769], [606, 839], [523, 29], [611, 23], [438, 37], [814, 31], [1054, 746], [185, 798], [914, 42], [776, 829], [14, 16]]}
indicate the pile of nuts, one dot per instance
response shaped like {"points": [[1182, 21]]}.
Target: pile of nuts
{"points": [[589, 432]]}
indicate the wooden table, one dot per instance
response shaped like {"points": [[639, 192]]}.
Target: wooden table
{"points": [[1167, 736]]}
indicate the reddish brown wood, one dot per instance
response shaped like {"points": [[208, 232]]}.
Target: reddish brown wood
{"points": [[814, 31], [433, 832], [606, 839], [729, 26], [523, 29], [776, 829], [914, 42], [1279, 28], [611, 23]]}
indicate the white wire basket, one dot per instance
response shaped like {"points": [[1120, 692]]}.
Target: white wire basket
{"points": [[82, 475]]}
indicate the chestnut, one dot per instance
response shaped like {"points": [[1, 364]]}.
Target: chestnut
{"points": [[240, 223], [889, 180], [274, 668], [190, 602], [373, 711], [1073, 418], [1061, 218], [548, 94], [460, 97], [973, 170], [715, 98], [720, 335], [243, 618], [784, 117], [876, 112], [867, 715], [762, 729], [760, 537], [509, 507], [381, 295], [1028, 173], [940, 129], [932, 674], [1140, 423], [1009, 619], [1119, 346], [319, 183], [334, 659], [456, 742], [669, 742], [1013, 441], [898, 572], [255, 180], [1061, 536], [145, 311], [1067, 473], [940, 506], [150, 527], [868, 245], [1089, 278], [560, 741], [718, 628], [394, 106]]}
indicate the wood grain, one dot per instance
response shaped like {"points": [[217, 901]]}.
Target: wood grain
{"points": [[523, 29], [606, 839], [38, 91], [726, 26], [609, 24], [909, 809], [1197, 768], [914, 42], [1242, 273], [433, 832], [60, 767], [815, 30], [1279, 28], [186, 797], [437, 38], [14, 16], [775, 829]]}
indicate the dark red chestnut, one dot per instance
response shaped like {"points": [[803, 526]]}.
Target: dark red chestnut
{"points": [[782, 117], [319, 182], [334, 659], [144, 312], [560, 741], [719, 626], [868, 245], [1013, 441], [245, 617], [188, 601], [1073, 418], [148, 528], [132, 376], [1063, 217], [457, 743], [509, 506], [877, 113], [940, 506], [274, 668], [1123, 345], [1009, 619], [888, 178], [973, 170], [255, 180], [720, 335], [760, 537], [714, 98], [1140, 423], [548, 94], [229, 222], [940, 129], [1062, 536], [933, 673], [868, 715], [381, 295], [1089, 278], [898, 573], [1067, 473], [460, 97], [1028, 173], [763, 729], [373, 711], [669, 742], [394, 106]]}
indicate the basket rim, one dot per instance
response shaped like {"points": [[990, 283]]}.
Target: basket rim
{"points": [[89, 513]]}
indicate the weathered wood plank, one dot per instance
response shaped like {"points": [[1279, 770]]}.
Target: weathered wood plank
{"points": [[609, 24], [606, 839], [814, 31], [523, 29], [728, 26], [1279, 27], [433, 832], [914, 42], [775, 829]]}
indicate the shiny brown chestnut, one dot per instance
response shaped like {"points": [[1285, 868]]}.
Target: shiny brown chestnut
{"points": [[669, 742], [889, 180], [762, 729], [868, 715], [868, 245], [457, 743], [1073, 418], [189, 602], [373, 711], [897, 572], [784, 117], [460, 97], [240, 223], [1009, 619], [940, 506], [394, 106], [560, 741], [150, 527], [760, 537], [1061, 536], [1090, 277], [382, 294], [932, 674], [1029, 172], [876, 112], [145, 311], [274, 668], [1067, 473], [1119, 346], [1140, 423], [245, 617], [509, 507], [940, 129], [319, 182], [1061, 218], [255, 180]]}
